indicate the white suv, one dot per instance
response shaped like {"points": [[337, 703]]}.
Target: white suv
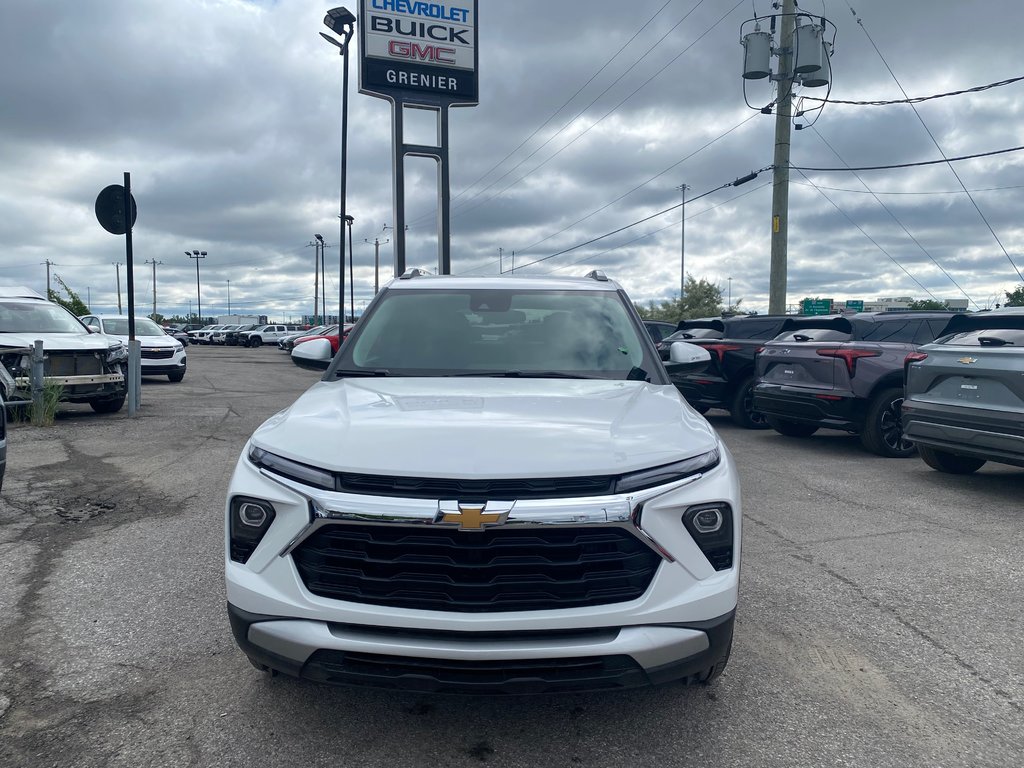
{"points": [[265, 334], [87, 367], [495, 487]]}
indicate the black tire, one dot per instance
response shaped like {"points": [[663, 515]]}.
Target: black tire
{"points": [[883, 428], [255, 341], [949, 463], [791, 428], [107, 406], [741, 408], [176, 376]]}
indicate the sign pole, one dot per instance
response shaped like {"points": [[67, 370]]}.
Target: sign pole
{"points": [[134, 346]]}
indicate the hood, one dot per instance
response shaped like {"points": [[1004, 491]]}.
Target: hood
{"points": [[477, 428], [67, 342], [149, 341]]}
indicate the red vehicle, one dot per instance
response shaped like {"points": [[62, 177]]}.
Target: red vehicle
{"points": [[318, 351]]}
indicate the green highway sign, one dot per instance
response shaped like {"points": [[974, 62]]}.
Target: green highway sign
{"points": [[816, 306], [857, 305]]}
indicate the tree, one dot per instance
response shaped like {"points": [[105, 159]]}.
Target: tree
{"points": [[928, 304], [703, 299], [1015, 298], [71, 301]]}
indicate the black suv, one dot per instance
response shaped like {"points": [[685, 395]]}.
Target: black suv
{"points": [[843, 373], [728, 380]]}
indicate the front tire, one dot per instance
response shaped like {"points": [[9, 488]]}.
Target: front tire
{"points": [[883, 427], [949, 463], [176, 376], [255, 341], [791, 428], [742, 407], [107, 406]]}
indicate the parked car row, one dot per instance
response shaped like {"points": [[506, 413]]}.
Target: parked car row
{"points": [[242, 335], [948, 386]]}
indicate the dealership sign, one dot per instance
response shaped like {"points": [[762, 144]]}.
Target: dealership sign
{"points": [[413, 51]]}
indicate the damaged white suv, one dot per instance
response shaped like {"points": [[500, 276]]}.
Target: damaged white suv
{"points": [[495, 488]]}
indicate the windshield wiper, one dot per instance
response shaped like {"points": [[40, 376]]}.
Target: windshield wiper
{"points": [[518, 374], [340, 374], [993, 341]]}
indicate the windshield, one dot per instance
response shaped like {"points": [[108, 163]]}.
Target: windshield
{"points": [[118, 326], [37, 317], [499, 332]]}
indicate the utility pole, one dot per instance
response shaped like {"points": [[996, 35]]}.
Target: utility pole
{"points": [[154, 262], [318, 247], [117, 267], [500, 268], [48, 264], [197, 255], [376, 261], [780, 188], [229, 297], [682, 246]]}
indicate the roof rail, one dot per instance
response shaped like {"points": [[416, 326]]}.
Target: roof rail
{"points": [[411, 273], [597, 274]]}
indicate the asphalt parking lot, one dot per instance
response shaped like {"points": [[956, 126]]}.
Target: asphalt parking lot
{"points": [[880, 617]]}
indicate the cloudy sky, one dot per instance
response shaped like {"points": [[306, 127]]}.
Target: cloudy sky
{"points": [[227, 115]]}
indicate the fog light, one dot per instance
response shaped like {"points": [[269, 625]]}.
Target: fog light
{"points": [[708, 520], [252, 515]]}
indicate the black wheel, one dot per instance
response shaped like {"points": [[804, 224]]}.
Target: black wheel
{"points": [[742, 406], [176, 376], [950, 463], [255, 341], [883, 427], [790, 428], [108, 406]]}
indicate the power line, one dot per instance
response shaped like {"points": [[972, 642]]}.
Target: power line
{"points": [[924, 125], [914, 165], [595, 123], [916, 99], [933, 192], [571, 98], [861, 229], [896, 219], [736, 182]]}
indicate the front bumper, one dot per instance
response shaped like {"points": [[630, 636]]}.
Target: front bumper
{"points": [[984, 434], [833, 409], [604, 658]]}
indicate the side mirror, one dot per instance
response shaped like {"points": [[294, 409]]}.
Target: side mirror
{"points": [[686, 358], [93, 328]]}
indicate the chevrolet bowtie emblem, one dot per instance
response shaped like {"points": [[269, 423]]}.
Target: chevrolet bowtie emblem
{"points": [[967, 360], [472, 517]]}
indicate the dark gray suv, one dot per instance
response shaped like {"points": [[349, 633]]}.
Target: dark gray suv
{"points": [[964, 400], [843, 373]]}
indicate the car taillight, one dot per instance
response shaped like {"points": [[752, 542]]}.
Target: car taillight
{"points": [[850, 356], [913, 357], [720, 349]]}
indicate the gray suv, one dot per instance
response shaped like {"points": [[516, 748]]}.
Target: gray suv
{"points": [[964, 400], [843, 373]]}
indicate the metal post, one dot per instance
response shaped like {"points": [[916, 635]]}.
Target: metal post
{"points": [[682, 245], [36, 382], [134, 347], [444, 227], [398, 185], [316, 283], [117, 268], [351, 275], [780, 189], [344, 181], [229, 297]]}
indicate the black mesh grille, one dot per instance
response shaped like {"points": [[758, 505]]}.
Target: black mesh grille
{"points": [[70, 364], [470, 490], [482, 677], [501, 569], [157, 354]]}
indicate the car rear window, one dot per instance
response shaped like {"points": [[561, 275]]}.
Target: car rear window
{"points": [[906, 331], [990, 337], [813, 334], [695, 333]]}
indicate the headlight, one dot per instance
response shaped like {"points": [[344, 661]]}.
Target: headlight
{"points": [[116, 353], [302, 473], [178, 348], [668, 473]]}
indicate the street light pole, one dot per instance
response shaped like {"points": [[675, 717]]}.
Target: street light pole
{"points": [[376, 261], [154, 262], [197, 255], [318, 246], [229, 297], [351, 276], [342, 22], [682, 245]]}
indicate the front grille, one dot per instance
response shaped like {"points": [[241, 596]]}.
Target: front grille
{"points": [[71, 364], [473, 490], [521, 676], [501, 569], [157, 354]]}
